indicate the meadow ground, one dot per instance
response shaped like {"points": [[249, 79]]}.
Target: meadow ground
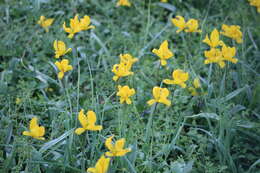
{"points": [[214, 128]]}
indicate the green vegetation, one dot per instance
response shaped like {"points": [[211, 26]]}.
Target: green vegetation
{"points": [[217, 131]]}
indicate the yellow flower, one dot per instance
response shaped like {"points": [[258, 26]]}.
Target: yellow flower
{"points": [[164, 0], [128, 60], [163, 52], [228, 53], [18, 101], [125, 92], [87, 122], [160, 95], [214, 39], [232, 31], [179, 22], [60, 48], [63, 66], [101, 165], [45, 22], [192, 26], [77, 26], [255, 3], [121, 70], [214, 56], [196, 84], [116, 149], [123, 3], [179, 78], [36, 131]]}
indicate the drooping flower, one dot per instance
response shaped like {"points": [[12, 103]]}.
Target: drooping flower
{"points": [[121, 70], [63, 67], [228, 53], [101, 165], [77, 25], [124, 93], [232, 31], [192, 26], [255, 3], [214, 56], [35, 131], [116, 149], [196, 85], [60, 48], [160, 95], [163, 52], [214, 40], [123, 3], [179, 78], [45, 22], [179, 22], [128, 60], [87, 122]]}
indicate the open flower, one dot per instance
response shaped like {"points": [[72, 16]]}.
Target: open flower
{"points": [[123, 3], [121, 70], [87, 122], [228, 53], [192, 26], [160, 95], [35, 131], [214, 56], [116, 149], [196, 85], [63, 67], [101, 165], [179, 22], [179, 78], [128, 60], [255, 3], [163, 52], [232, 31], [77, 25], [125, 92], [45, 22], [60, 48], [213, 41]]}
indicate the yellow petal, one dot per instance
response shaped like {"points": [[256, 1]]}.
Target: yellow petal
{"points": [[120, 144], [163, 62], [60, 75], [26, 133], [108, 143], [82, 119], [33, 123], [151, 102], [41, 131], [79, 131], [168, 81], [123, 152], [91, 117]]}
